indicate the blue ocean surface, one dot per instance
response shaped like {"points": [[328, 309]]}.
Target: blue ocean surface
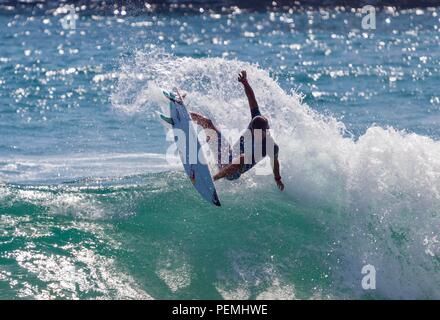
{"points": [[91, 208]]}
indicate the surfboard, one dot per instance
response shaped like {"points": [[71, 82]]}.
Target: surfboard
{"points": [[192, 157]]}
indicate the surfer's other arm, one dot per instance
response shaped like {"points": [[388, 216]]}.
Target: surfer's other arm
{"points": [[276, 173], [242, 77]]}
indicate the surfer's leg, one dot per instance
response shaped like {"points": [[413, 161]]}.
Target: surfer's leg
{"points": [[204, 122], [228, 171], [208, 125], [231, 171]]}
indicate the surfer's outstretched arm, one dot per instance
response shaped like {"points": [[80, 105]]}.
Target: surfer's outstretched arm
{"points": [[242, 77]]}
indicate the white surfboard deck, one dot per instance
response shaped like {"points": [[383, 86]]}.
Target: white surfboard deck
{"points": [[195, 164]]}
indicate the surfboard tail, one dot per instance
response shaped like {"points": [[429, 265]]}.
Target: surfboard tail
{"points": [[174, 96]]}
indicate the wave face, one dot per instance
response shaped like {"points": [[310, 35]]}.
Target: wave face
{"points": [[376, 196], [90, 208]]}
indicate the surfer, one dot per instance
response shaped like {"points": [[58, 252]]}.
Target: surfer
{"points": [[257, 135]]}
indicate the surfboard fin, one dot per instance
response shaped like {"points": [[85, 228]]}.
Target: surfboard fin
{"points": [[167, 119], [215, 199]]}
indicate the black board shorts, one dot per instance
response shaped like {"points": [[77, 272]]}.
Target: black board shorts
{"points": [[255, 112]]}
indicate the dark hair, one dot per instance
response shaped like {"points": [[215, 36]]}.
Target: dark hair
{"points": [[259, 122]]}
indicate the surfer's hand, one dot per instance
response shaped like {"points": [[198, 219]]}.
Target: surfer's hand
{"points": [[242, 77], [280, 184]]}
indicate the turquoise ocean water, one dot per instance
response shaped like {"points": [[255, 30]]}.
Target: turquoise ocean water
{"points": [[91, 209]]}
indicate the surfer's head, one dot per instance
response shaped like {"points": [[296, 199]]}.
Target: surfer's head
{"points": [[259, 122]]}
